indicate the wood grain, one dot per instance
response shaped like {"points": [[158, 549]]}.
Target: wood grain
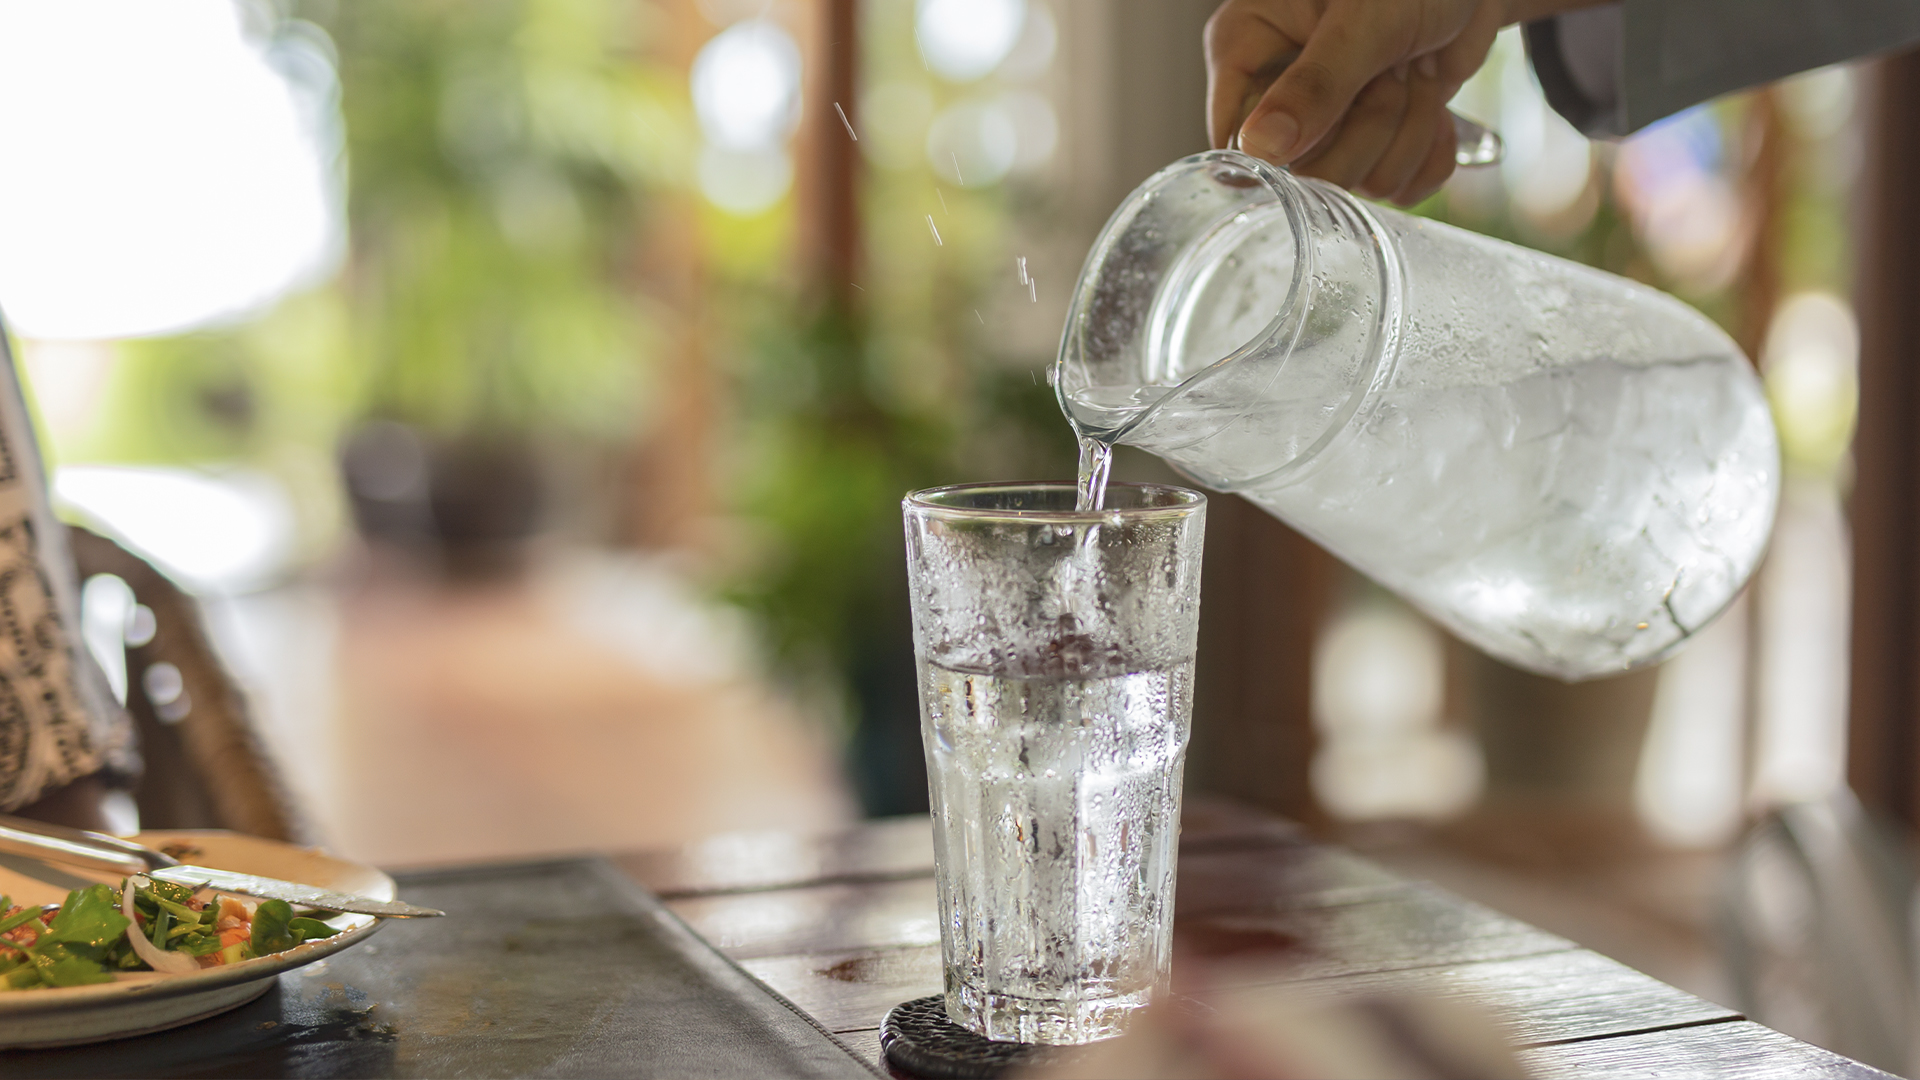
{"points": [[852, 989], [847, 953], [1402, 925], [1551, 997], [1216, 880], [1259, 906], [1217, 821], [1883, 732], [815, 919], [890, 848], [866, 1045], [894, 848], [1416, 927], [1734, 1050], [1544, 998]]}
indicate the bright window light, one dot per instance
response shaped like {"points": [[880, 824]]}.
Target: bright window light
{"points": [[973, 143], [1036, 129], [964, 39], [163, 170], [224, 533], [744, 182], [746, 86], [106, 611], [1379, 679], [1810, 360], [1687, 789], [1548, 164]]}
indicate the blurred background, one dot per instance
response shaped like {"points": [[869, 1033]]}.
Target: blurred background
{"points": [[524, 390]]}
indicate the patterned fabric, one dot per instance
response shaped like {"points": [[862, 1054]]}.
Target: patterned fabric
{"points": [[58, 719]]}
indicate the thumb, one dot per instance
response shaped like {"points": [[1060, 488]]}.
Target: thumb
{"points": [[1341, 56]]}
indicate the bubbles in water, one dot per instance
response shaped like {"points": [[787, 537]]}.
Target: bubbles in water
{"points": [[1059, 810]]}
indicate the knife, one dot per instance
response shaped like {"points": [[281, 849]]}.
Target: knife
{"points": [[292, 892], [98, 850]]}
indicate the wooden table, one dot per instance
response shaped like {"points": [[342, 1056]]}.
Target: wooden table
{"points": [[562, 968], [845, 928]]}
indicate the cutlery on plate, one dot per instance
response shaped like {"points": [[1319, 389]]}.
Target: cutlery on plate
{"points": [[98, 850]]}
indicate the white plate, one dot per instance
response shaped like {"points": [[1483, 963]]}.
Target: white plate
{"points": [[145, 1001]]}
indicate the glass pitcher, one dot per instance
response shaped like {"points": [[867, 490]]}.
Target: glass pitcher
{"points": [[1571, 471]]}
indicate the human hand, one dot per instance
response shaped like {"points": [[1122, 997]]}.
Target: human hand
{"points": [[1354, 92]]}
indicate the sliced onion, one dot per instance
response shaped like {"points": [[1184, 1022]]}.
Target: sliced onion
{"points": [[161, 960]]}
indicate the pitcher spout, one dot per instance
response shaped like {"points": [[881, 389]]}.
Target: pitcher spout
{"points": [[1231, 318]]}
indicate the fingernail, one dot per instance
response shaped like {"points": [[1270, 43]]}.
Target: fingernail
{"points": [[1430, 66], [1271, 136]]}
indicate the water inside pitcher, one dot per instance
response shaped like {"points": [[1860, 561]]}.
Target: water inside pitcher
{"points": [[1572, 471]]}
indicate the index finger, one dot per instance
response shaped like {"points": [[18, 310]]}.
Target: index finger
{"points": [[1244, 54], [1341, 56]]}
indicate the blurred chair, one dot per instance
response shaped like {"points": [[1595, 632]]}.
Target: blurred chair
{"points": [[1817, 923], [206, 766]]}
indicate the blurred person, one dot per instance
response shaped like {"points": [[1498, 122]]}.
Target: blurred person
{"points": [[64, 741], [1355, 92]]}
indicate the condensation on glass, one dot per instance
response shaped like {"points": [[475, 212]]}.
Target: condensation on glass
{"points": [[1055, 653], [1570, 470]]}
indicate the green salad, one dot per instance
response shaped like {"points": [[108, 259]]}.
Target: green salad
{"points": [[91, 937]]}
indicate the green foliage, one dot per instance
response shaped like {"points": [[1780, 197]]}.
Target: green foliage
{"points": [[499, 156], [499, 151], [86, 942], [305, 929], [272, 929], [820, 471], [841, 413], [75, 948], [259, 392]]}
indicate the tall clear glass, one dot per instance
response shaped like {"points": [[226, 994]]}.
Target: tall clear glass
{"points": [[1056, 686]]}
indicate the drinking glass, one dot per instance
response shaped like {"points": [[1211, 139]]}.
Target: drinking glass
{"points": [[1055, 652]]}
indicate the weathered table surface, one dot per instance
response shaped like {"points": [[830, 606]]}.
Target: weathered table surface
{"points": [[844, 927]]}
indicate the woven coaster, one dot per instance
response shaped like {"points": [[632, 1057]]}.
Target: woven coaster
{"points": [[920, 1040]]}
